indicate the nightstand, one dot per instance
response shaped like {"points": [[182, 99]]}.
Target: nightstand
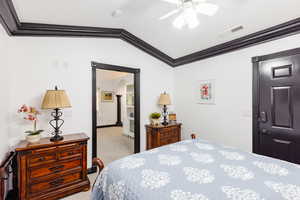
{"points": [[162, 135]]}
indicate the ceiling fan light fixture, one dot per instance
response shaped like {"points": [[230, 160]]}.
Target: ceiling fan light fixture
{"points": [[190, 17], [188, 10]]}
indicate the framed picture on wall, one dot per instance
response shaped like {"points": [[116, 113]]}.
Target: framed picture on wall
{"points": [[107, 96], [206, 92]]}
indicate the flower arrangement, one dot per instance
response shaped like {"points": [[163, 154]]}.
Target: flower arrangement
{"points": [[31, 115]]}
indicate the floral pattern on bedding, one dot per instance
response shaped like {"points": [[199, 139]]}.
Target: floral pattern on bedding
{"points": [[198, 170]]}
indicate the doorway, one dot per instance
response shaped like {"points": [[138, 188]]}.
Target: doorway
{"points": [[115, 111], [276, 105]]}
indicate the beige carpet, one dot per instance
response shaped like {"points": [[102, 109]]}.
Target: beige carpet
{"points": [[112, 145]]}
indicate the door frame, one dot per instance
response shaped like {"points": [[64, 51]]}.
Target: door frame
{"points": [[255, 91], [136, 73]]}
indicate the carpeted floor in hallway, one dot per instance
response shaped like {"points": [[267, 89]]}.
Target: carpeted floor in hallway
{"points": [[113, 145]]}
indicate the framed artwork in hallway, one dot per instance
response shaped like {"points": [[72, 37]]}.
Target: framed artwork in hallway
{"points": [[107, 96]]}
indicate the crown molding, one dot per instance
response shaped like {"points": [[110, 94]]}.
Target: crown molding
{"points": [[50, 30], [137, 42], [8, 17], [269, 34], [11, 23]]}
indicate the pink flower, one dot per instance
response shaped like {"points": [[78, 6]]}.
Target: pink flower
{"points": [[23, 108], [31, 117]]}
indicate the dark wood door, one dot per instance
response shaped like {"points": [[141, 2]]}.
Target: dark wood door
{"points": [[278, 116]]}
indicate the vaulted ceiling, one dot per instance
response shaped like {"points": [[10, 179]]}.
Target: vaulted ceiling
{"points": [[141, 19]]}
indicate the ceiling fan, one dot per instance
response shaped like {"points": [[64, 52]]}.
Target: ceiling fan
{"points": [[188, 10]]}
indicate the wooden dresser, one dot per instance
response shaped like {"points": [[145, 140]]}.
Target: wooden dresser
{"points": [[52, 170], [162, 135]]}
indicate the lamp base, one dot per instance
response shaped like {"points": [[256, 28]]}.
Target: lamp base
{"points": [[165, 123], [56, 123], [56, 138], [165, 113]]}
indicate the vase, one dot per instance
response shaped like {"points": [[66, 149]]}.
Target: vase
{"points": [[155, 122], [33, 138]]}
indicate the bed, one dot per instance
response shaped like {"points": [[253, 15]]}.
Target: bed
{"points": [[197, 170]]}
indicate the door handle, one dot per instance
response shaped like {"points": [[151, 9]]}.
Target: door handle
{"points": [[265, 132], [263, 117], [282, 141]]}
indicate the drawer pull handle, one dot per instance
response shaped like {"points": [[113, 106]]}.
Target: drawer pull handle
{"points": [[57, 182], [56, 168], [41, 158]]}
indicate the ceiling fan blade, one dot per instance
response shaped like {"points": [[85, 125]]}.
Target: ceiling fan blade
{"points": [[199, 1], [207, 8], [173, 1], [179, 22], [169, 14]]}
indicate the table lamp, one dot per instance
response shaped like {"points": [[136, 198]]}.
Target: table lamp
{"points": [[164, 100], [56, 99]]}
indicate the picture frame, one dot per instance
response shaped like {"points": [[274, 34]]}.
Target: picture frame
{"points": [[172, 118], [205, 92], [107, 96]]}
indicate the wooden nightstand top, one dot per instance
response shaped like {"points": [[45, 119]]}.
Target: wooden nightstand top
{"points": [[162, 126], [23, 145]]}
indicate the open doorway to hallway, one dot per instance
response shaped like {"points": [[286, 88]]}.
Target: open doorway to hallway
{"points": [[116, 107], [115, 114]]}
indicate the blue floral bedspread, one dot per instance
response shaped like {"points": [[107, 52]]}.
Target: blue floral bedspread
{"points": [[198, 170]]}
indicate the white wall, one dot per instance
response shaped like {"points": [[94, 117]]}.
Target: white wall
{"points": [[107, 111], [40, 63], [4, 95], [229, 121]]}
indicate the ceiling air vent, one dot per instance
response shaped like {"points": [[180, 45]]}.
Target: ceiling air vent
{"points": [[236, 29], [117, 13]]}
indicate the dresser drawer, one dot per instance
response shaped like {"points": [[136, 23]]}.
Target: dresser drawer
{"points": [[44, 150], [69, 146], [169, 141], [55, 183], [58, 167], [68, 153], [169, 134], [40, 159], [166, 130]]}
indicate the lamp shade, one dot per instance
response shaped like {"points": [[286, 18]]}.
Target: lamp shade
{"points": [[56, 99], [164, 99]]}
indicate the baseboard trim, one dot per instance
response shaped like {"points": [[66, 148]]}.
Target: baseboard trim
{"points": [[110, 125]]}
